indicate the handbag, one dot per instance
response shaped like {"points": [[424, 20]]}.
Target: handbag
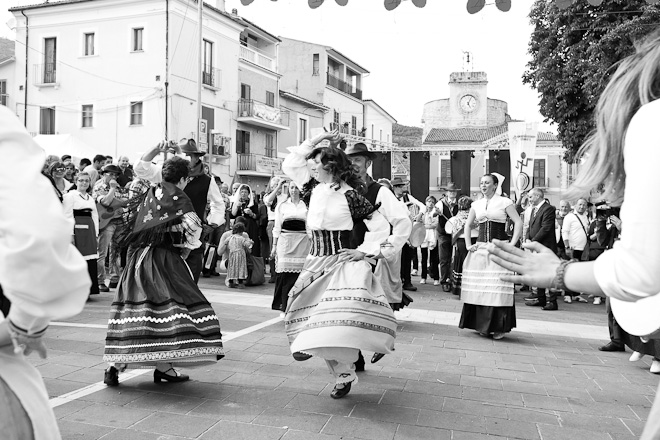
{"points": [[256, 275]]}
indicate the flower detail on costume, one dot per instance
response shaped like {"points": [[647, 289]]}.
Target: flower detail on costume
{"points": [[158, 207], [148, 217], [159, 193], [175, 198], [164, 216], [179, 212]]}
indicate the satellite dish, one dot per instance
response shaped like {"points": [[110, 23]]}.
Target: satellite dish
{"points": [[314, 3], [342, 2], [419, 3], [564, 4], [390, 5], [246, 2], [474, 6], [504, 5], [11, 23]]}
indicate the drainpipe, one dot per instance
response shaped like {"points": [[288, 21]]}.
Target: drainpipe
{"points": [[25, 106], [167, 61]]}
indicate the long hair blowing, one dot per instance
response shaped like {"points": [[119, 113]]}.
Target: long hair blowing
{"points": [[339, 165], [635, 83]]}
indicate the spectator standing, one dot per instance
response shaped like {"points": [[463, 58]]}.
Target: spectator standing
{"points": [[56, 171], [429, 246], [84, 163], [414, 206], [127, 174], [447, 208], [94, 168], [245, 206]]}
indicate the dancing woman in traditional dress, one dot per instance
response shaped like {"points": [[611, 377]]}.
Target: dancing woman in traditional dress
{"points": [[160, 319], [488, 301], [336, 306]]}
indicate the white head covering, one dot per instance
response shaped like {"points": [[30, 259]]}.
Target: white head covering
{"points": [[500, 181]]}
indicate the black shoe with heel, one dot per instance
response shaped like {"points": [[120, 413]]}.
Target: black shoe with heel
{"points": [[338, 393], [160, 376], [111, 377], [376, 357]]}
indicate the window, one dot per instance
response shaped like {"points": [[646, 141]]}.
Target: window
{"points": [[270, 99], [3, 92], [47, 120], [137, 39], [207, 63], [89, 44], [242, 142], [335, 117], [445, 172], [270, 145], [302, 130], [245, 91], [572, 172], [50, 59], [87, 115], [354, 125], [315, 64], [539, 172], [136, 113]]}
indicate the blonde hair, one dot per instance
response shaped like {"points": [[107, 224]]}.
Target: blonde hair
{"points": [[635, 83]]}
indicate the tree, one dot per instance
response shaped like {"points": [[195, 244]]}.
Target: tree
{"points": [[574, 52]]}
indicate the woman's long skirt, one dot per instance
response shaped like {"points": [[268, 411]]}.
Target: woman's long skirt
{"points": [[159, 315], [459, 253], [488, 305]]}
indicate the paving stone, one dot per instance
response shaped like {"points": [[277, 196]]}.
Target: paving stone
{"points": [[462, 370], [440, 377], [226, 430], [413, 400], [132, 434], [533, 415], [58, 387], [635, 426], [306, 386], [360, 428], [106, 415], [601, 409], [174, 424], [253, 380], [212, 375], [642, 412], [359, 393], [563, 391], [117, 396], [452, 421], [78, 360], [401, 373], [386, 413], [288, 371], [277, 398], [436, 389], [481, 382], [408, 432], [536, 378], [305, 435], [546, 402], [421, 366], [461, 435], [292, 419], [275, 359], [237, 366], [82, 431], [494, 373], [494, 396], [475, 408], [524, 387], [271, 349], [385, 383], [70, 408], [551, 432], [323, 404], [514, 366], [232, 411], [594, 423], [512, 428], [620, 397], [165, 402]]}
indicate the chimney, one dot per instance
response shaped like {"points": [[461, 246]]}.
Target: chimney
{"points": [[234, 11]]}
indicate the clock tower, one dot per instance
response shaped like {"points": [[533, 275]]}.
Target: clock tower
{"points": [[468, 102]]}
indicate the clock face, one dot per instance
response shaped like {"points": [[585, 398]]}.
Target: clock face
{"points": [[468, 103]]}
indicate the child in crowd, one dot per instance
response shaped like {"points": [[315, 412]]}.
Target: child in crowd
{"points": [[238, 245]]}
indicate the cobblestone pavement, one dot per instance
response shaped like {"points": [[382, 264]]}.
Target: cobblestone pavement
{"points": [[545, 380]]}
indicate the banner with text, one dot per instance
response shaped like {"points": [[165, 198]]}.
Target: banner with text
{"points": [[271, 165], [522, 147]]}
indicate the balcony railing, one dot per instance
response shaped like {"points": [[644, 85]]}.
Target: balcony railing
{"points": [[254, 56], [373, 144], [256, 109], [343, 86], [259, 163], [45, 73], [211, 77]]}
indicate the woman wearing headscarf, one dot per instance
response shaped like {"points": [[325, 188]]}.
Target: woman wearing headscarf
{"points": [[160, 319], [245, 206]]}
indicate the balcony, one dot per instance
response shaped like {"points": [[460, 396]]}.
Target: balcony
{"points": [[262, 115], [373, 144], [211, 77], [45, 75], [258, 165], [255, 57], [343, 86]]}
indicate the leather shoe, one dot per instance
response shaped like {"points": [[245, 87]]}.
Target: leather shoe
{"points": [[111, 377], [531, 298], [338, 393], [550, 306], [103, 288], [612, 347], [535, 303], [113, 284], [376, 357], [160, 376], [409, 287]]}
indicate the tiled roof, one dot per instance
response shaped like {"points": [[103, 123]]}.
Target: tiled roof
{"points": [[438, 135], [6, 49]]}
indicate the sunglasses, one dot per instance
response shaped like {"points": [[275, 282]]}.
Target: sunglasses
{"points": [[59, 170]]}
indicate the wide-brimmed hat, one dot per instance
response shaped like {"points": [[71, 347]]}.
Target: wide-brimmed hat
{"points": [[110, 168], [398, 181], [359, 149], [451, 186], [189, 146]]}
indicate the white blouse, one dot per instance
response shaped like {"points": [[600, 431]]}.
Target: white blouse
{"points": [[491, 210], [74, 200], [629, 271], [288, 210]]}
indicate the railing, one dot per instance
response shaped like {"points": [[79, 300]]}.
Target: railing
{"points": [[256, 109], [373, 144], [259, 163], [254, 56], [211, 77], [343, 86], [45, 73]]}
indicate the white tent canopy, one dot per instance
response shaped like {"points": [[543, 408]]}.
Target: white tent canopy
{"points": [[61, 144]]}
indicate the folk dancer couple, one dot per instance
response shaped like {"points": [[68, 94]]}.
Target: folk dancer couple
{"points": [[338, 306]]}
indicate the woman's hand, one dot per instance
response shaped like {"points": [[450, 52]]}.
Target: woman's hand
{"points": [[273, 251], [536, 268], [616, 221], [351, 255], [325, 135], [473, 248]]}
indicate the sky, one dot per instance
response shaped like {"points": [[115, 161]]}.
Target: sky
{"points": [[410, 51]]}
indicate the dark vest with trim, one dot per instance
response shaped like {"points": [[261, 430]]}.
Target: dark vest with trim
{"points": [[198, 190], [359, 228]]}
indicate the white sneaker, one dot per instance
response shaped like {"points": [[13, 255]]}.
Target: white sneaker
{"points": [[636, 356], [413, 272], [422, 281], [581, 299], [436, 282], [567, 299], [655, 367], [598, 300]]}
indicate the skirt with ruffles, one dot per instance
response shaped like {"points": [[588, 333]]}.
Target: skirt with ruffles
{"points": [[338, 305], [159, 315]]}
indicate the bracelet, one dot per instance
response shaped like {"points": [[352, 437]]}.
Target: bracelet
{"points": [[558, 281]]}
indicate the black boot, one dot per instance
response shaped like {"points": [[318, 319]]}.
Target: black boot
{"points": [[359, 364]]}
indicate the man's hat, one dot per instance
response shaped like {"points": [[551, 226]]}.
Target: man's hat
{"points": [[398, 181], [110, 168], [359, 149], [189, 146], [451, 186]]}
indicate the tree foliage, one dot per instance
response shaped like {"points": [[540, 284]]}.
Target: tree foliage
{"points": [[574, 52], [406, 136]]}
